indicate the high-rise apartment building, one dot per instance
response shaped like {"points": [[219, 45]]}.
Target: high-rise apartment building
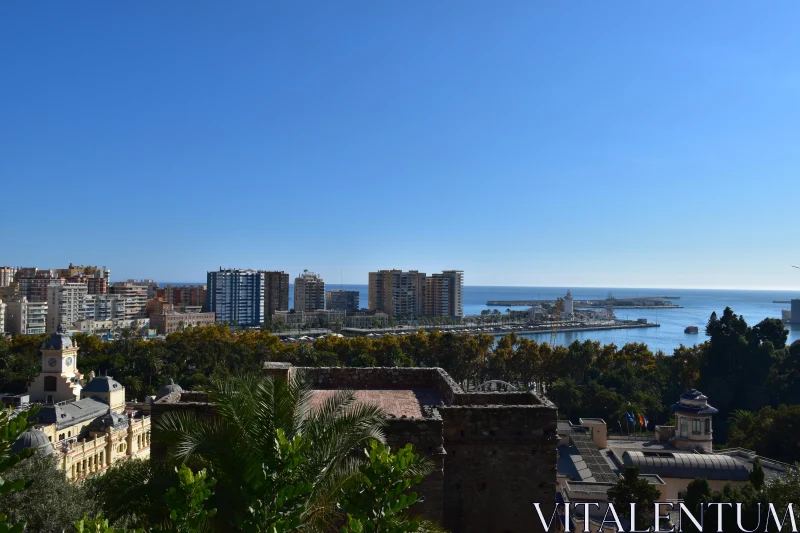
{"points": [[105, 307], [24, 317], [149, 284], [184, 295], [309, 292], [66, 304], [236, 296], [33, 283], [6, 275], [135, 297], [82, 271], [397, 293], [342, 300], [2, 317], [276, 292], [444, 294]]}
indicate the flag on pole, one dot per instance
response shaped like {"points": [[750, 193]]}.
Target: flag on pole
{"points": [[641, 419], [646, 421], [630, 418]]}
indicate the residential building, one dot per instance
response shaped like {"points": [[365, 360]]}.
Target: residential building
{"points": [[33, 283], [2, 317], [87, 429], [24, 317], [236, 296], [6, 293], [366, 319], [342, 300], [397, 293], [93, 285], [309, 292], [82, 271], [437, 295], [115, 325], [321, 318], [135, 297], [105, 307], [276, 292], [184, 295], [149, 284], [170, 322], [794, 316], [66, 304], [6, 275], [444, 294]]}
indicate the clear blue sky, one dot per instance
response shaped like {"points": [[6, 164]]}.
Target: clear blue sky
{"points": [[527, 143]]}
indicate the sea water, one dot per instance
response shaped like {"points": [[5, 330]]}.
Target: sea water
{"points": [[696, 308]]}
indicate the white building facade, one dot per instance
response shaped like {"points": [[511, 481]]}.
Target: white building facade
{"points": [[66, 304], [24, 317]]}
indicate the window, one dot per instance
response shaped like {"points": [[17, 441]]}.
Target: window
{"points": [[708, 426], [50, 384], [684, 428], [695, 427]]}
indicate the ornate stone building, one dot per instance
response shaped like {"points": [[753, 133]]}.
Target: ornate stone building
{"points": [[89, 428]]}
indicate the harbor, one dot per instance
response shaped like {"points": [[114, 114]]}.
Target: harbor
{"points": [[642, 302], [462, 329]]}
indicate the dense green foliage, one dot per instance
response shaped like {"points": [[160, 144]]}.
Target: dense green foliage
{"points": [[740, 368], [277, 460], [632, 489], [11, 427], [380, 498], [283, 468], [49, 501]]}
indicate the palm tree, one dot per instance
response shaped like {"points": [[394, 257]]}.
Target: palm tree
{"points": [[566, 394], [241, 449], [742, 419]]}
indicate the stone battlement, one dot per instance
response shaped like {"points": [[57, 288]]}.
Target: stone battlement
{"points": [[493, 452]]}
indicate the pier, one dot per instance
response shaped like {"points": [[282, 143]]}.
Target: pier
{"points": [[644, 302]]}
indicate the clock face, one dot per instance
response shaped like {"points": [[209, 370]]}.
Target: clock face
{"points": [[52, 361], [69, 361]]}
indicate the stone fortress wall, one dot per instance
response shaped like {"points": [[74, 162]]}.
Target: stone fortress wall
{"points": [[494, 453]]}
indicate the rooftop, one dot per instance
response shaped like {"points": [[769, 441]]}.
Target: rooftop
{"points": [[687, 465], [401, 403]]}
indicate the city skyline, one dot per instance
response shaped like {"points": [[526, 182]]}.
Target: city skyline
{"points": [[602, 145]]}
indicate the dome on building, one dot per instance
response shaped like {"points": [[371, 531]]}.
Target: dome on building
{"points": [[57, 341], [694, 401], [169, 388], [102, 384], [109, 420], [35, 439]]}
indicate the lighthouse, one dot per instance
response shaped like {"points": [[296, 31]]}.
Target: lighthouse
{"points": [[568, 308]]}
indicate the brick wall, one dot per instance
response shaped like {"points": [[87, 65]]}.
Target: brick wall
{"points": [[186, 401], [500, 460], [426, 437]]}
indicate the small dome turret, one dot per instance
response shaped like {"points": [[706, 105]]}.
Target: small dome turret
{"points": [[102, 384], [111, 419], [35, 439], [167, 389]]}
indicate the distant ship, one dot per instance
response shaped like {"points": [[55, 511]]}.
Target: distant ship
{"points": [[691, 329]]}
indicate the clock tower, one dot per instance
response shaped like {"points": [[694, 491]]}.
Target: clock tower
{"points": [[59, 379]]}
